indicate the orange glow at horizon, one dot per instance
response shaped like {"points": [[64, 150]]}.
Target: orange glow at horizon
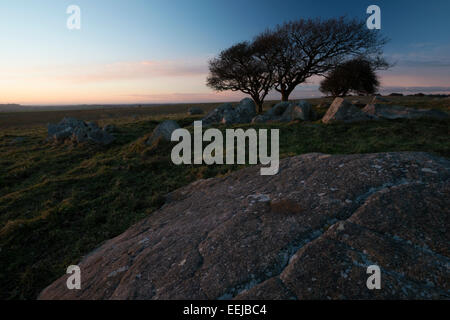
{"points": [[147, 82]]}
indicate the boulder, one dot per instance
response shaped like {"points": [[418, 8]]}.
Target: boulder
{"points": [[323, 105], [313, 114], [216, 115], [287, 111], [288, 115], [230, 117], [92, 125], [100, 137], [309, 232], [301, 110], [73, 123], [343, 111], [163, 131], [110, 128], [279, 109], [358, 103], [195, 111], [244, 112], [79, 135], [383, 111], [261, 118], [63, 134], [246, 109], [77, 131]]}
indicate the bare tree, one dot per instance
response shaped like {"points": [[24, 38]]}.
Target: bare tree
{"points": [[310, 47], [243, 68]]}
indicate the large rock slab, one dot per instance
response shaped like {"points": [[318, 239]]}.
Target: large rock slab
{"points": [[383, 111], [309, 232], [342, 110]]}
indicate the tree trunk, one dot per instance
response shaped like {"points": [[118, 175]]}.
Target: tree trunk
{"points": [[260, 106], [259, 103], [285, 94]]}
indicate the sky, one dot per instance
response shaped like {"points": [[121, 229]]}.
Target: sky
{"points": [[157, 51]]}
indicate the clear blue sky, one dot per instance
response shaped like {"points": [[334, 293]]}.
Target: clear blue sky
{"points": [[152, 51]]}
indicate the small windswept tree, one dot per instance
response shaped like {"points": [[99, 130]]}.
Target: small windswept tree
{"points": [[356, 75], [242, 67]]}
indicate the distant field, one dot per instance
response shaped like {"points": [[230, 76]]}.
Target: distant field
{"points": [[35, 118], [59, 202]]}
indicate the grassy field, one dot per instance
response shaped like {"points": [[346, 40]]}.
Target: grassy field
{"points": [[59, 202]]}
